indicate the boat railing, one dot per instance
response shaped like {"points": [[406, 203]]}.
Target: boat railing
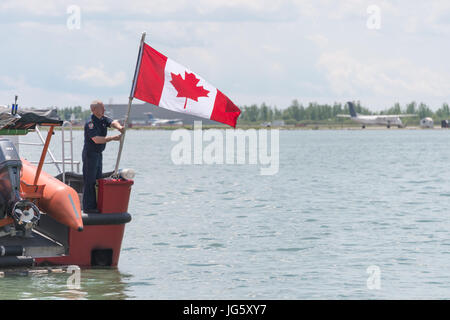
{"points": [[70, 158], [64, 161]]}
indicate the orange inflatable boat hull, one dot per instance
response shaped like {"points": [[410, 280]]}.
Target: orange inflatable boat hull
{"points": [[59, 201]]}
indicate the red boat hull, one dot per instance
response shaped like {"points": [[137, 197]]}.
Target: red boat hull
{"points": [[103, 239]]}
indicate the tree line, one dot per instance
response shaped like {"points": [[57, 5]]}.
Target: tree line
{"points": [[77, 112], [315, 112]]}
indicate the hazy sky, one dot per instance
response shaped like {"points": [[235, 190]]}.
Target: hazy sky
{"points": [[378, 52]]}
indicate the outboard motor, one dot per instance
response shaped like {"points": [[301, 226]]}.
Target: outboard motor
{"points": [[25, 213]]}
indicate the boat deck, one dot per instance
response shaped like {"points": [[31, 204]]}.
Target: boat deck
{"points": [[35, 246]]}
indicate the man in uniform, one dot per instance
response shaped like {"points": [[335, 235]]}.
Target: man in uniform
{"points": [[95, 140]]}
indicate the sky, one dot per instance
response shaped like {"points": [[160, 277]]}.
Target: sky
{"points": [[68, 53]]}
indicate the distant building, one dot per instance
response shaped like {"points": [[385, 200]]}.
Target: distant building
{"points": [[427, 123], [139, 114]]}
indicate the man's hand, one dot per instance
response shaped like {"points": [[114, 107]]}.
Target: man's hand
{"points": [[103, 140], [116, 125], [116, 137]]}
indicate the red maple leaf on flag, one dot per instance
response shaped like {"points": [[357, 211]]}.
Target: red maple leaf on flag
{"points": [[187, 87]]}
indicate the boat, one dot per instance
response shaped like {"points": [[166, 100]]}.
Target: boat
{"points": [[42, 223]]}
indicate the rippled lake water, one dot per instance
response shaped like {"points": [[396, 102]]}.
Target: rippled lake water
{"points": [[342, 202]]}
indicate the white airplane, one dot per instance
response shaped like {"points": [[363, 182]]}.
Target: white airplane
{"points": [[162, 122], [387, 120]]}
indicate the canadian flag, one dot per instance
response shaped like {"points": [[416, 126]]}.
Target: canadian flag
{"points": [[167, 84]]}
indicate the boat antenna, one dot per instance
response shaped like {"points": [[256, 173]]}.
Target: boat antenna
{"points": [[14, 106]]}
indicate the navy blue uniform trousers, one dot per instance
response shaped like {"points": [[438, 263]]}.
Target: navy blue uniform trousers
{"points": [[92, 170]]}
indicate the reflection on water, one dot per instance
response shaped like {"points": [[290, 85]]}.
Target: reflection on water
{"points": [[95, 284]]}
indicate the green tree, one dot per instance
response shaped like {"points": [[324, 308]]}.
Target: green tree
{"points": [[423, 111], [443, 112], [396, 109], [263, 113]]}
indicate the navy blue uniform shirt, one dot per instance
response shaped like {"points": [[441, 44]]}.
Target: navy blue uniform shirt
{"points": [[95, 128]]}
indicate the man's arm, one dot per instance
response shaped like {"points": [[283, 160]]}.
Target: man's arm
{"points": [[116, 125], [103, 140]]}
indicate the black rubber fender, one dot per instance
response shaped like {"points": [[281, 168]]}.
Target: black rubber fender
{"points": [[95, 219], [8, 262], [11, 251]]}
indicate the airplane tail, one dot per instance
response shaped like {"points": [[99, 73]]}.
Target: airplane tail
{"points": [[351, 107], [151, 118]]}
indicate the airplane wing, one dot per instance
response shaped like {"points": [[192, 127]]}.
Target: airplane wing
{"points": [[395, 116], [343, 116], [407, 115], [166, 121]]}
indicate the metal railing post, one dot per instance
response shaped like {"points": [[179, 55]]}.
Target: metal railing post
{"points": [[63, 154]]}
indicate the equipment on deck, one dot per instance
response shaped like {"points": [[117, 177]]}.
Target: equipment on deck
{"points": [[24, 213]]}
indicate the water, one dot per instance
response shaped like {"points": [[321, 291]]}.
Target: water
{"points": [[341, 202]]}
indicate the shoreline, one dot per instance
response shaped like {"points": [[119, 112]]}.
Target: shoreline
{"points": [[256, 127]]}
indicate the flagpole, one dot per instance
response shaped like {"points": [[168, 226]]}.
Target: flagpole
{"points": [[130, 100]]}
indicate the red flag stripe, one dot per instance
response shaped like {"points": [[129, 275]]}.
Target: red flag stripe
{"points": [[224, 110], [150, 81]]}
